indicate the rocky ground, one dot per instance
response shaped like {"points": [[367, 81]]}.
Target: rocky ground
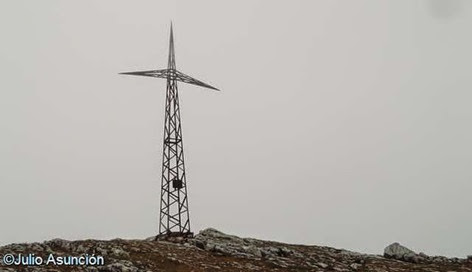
{"points": [[212, 250]]}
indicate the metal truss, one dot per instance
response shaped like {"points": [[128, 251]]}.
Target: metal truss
{"points": [[174, 218]]}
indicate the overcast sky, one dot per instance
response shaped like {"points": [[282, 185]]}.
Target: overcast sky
{"points": [[340, 123]]}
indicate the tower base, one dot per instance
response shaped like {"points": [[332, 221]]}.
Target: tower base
{"points": [[174, 236]]}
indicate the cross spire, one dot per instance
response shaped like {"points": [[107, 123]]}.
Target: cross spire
{"points": [[171, 62]]}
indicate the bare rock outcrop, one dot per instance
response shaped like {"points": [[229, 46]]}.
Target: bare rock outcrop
{"points": [[399, 252], [212, 250]]}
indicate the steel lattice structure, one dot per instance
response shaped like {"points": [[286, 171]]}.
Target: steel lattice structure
{"points": [[174, 219]]}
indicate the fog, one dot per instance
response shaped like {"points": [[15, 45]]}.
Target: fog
{"points": [[339, 123]]}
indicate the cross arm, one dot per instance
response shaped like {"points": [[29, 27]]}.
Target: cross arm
{"points": [[151, 73], [171, 74], [190, 80]]}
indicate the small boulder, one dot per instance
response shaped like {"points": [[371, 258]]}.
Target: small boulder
{"points": [[355, 266], [399, 252]]}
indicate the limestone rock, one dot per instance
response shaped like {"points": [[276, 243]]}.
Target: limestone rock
{"points": [[212, 250], [399, 252]]}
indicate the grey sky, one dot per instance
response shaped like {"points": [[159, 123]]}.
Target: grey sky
{"points": [[341, 123]]}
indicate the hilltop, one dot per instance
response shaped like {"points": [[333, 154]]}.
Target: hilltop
{"points": [[211, 250]]}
